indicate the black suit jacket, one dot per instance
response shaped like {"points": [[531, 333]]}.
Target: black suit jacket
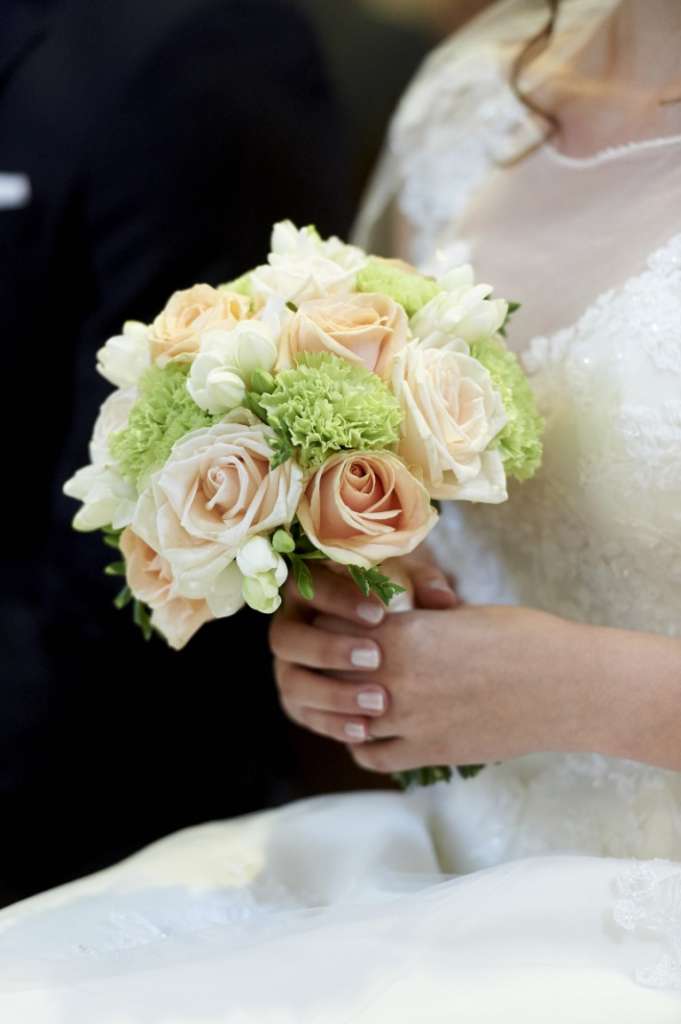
{"points": [[161, 141]]}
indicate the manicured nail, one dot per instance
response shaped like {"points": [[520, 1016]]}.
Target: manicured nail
{"points": [[402, 603], [371, 700], [354, 731], [369, 612], [365, 657], [438, 584]]}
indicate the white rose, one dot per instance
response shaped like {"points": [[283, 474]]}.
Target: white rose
{"points": [[301, 266], [451, 415], [113, 417], [124, 358], [108, 499], [462, 312]]}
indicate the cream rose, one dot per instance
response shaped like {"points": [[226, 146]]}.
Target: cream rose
{"points": [[301, 265], [462, 311], [215, 491], [362, 508], [367, 330], [451, 415], [150, 579], [175, 333]]}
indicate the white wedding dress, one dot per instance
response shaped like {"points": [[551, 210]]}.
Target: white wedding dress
{"points": [[547, 888]]}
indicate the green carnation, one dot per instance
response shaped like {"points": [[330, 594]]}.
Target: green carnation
{"points": [[326, 405], [520, 441], [164, 412], [412, 291]]}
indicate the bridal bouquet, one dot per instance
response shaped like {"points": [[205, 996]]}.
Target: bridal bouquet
{"points": [[315, 408]]}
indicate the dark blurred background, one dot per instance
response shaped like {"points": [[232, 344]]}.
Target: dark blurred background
{"points": [[144, 147]]}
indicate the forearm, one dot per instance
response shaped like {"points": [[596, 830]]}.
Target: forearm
{"points": [[628, 686]]}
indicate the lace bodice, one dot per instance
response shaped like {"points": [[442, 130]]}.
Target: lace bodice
{"points": [[590, 248], [597, 535], [593, 248]]}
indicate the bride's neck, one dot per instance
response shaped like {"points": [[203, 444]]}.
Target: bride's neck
{"points": [[637, 48], [623, 83]]}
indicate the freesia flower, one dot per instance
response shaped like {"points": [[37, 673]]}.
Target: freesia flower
{"points": [[303, 266], [125, 357]]}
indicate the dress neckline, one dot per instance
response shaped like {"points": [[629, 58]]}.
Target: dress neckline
{"points": [[603, 156]]}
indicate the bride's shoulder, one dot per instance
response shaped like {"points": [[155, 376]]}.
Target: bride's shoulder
{"points": [[457, 119], [468, 69]]}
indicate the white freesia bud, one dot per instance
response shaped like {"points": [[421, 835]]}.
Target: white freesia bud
{"points": [[262, 593], [251, 345], [125, 357], [257, 556], [264, 572], [213, 386], [219, 374], [462, 312], [108, 499]]}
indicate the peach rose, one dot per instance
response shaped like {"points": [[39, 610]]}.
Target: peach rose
{"points": [[175, 333], [216, 490], [452, 413], [364, 329], [361, 508], [151, 580]]}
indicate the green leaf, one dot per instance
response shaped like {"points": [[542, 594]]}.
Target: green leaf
{"points": [[423, 776], [513, 307], [429, 776], [252, 403], [111, 537], [142, 618], [303, 577], [123, 598], [262, 382], [469, 771], [115, 569], [283, 543], [372, 581], [282, 450]]}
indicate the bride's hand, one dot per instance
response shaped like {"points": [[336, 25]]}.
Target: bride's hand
{"points": [[302, 652], [470, 685]]}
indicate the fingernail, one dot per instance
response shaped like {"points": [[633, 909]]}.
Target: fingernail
{"points": [[437, 584], [371, 613], [355, 732], [371, 700], [365, 657], [402, 603]]}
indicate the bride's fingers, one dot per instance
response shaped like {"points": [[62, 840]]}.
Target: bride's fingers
{"points": [[337, 595], [295, 641], [334, 727], [384, 756], [301, 689]]}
